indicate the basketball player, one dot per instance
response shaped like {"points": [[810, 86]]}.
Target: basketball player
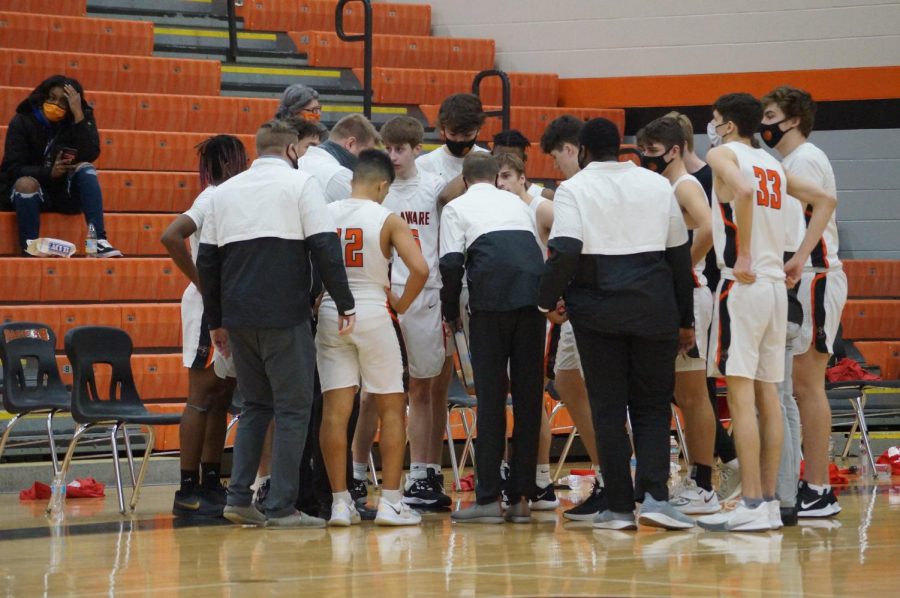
{"points": [[511, 177], [662, 144], [414, 198], [750, 319], [370, 233], [729, 469], [210, 374], [513, 142], [331, 162], [560, 140], [488, 236], [788, 117]]}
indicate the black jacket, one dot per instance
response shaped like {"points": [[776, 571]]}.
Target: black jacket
{"points": [[33, 143]]}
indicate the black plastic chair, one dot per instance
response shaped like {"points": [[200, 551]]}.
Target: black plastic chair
{"points": [[90, 345], [31, 341], [854, 392]]}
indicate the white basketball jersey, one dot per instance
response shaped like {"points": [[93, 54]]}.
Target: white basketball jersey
{"points": [[415, 200], [699, 278], [359, 223], [767, 243], [536, 201]]}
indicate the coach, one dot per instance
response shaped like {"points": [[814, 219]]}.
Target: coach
{"points": [[254, 265], [619, 251]]}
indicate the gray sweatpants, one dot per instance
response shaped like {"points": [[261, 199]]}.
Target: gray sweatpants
{"points": [[789, 468], [275, 374]]}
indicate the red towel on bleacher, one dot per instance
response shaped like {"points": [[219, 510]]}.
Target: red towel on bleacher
{"points": [[892, 458], [847, 369]]}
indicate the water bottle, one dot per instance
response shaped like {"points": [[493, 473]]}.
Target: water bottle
{"points": [[865, 468], [58, 497], [674, 467], [90, 243]]}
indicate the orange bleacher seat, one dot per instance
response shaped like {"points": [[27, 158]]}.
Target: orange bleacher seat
{"points": [[158, 112], [540, 165], [160, 376], [150, 227], [19, 30], [251, 113], [175, 151], [94, 71], [211, 115], [27, 68], [153, 324], [75, 8], [72, 316], [873, 278], [318, 15], [130, 279], [45, 314], [129, 191], [72, 34], [127, 150], [22, 279], [70, 279], [866, 319], [324, 48], [884, 354], [192, 77], [10, 98], [116, 36], [113, 110]]}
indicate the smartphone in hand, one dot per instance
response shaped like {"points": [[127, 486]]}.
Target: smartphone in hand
{"points": [[68, 154]]}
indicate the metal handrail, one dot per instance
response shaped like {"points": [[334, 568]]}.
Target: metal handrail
{"points": [[503, 113], [231, 53], [366, 38]]}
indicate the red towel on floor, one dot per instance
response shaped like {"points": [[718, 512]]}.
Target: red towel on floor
{"points": [[467, 483], [847, 369], [81, 488], [836, 476], [892, 458]]}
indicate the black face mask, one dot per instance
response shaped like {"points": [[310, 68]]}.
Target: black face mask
{"points": [[772, 134], [582, 158], [459, 148], [657, 164]]}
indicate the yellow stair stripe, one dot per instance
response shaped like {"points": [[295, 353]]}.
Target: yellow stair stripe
{"points": [[213, 34], [263, 70]]}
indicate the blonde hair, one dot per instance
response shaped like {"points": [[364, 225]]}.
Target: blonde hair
{"points": [[686, 126]]}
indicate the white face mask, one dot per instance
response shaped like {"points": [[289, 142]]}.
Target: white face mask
{"points": [[714, 138]]}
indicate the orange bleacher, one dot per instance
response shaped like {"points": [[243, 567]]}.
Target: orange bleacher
{"points": [[301, 15], [75, 34], [72, 8]]}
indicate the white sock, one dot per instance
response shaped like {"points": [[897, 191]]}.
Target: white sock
{"points": [[260, 480], [343, 497], [392, 496], [542, 476], [418, 471], [733, 464], [435, 467], [820, 490], [359, 471]]}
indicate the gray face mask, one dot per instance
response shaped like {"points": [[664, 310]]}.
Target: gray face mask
{"points": [[712, 132]]}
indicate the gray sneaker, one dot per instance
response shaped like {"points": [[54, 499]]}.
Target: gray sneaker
{"points": [[296, 520], [248, 515], [490, 513], [519, 512], [729, 482], [659, 513], [618, 521]]}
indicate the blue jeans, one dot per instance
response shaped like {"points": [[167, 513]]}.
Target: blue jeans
{"points": [[80, 194]]}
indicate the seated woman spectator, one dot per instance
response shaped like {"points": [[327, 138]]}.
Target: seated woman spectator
{"points": [[301, 101], [47, 163]]}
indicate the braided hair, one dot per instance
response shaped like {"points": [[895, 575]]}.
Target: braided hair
{"points": [[221, 157]]}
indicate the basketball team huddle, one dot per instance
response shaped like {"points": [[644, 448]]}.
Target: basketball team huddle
{"points": [[332, 279]]}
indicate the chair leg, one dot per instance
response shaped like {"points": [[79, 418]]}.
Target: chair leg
{"points": [[15, 419], [373, 470], [129, 454], [114, 432], [452, 447], [565, 453], [864, 435], [556, 409], [682, 439], [67, 460], [148, 452], [468, 449], [53, 455]]}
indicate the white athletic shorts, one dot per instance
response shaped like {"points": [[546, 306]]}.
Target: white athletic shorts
{"points": [[749, 331], [703, 310], [567, 357], [370, 353], [823, 296], [423, 334], [197, 351]]}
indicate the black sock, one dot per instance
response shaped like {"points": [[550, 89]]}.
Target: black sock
{"points": [[190, 478], [703, 476], [211, 473]]}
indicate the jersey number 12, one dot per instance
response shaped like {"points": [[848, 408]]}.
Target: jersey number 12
{"points": [[353, 255]]}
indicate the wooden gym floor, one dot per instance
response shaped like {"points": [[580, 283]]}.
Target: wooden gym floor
{"points": [[98, 553]]}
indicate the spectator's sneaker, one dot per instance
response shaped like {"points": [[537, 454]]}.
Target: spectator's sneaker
{"points": [[104, 249], [592, 506], [545, 500], [217, 495], [437, 484], [694, 500], [343, 514], [490, 513], [518, 513], [261, 493], [741, 519], [249, 515], [812, 504], [420, 492], [296, 520], [396, 514], [359, 491], [616, 521], [774, 514], [729, 483], [833, 501], [661, 514], [195, 504], [788, 516]]}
